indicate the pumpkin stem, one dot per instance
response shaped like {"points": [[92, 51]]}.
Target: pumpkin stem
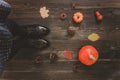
{"points": [[92, 57]]}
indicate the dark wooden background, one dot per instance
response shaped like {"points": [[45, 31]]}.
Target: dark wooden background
{"points": [[22, 66]]}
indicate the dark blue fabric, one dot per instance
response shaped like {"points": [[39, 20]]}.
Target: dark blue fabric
{"points": [[5, 35], [5, 9], [5, 45]]}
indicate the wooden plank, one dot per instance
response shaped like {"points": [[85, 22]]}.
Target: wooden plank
{"points": [[64, 65], [82, 2]]}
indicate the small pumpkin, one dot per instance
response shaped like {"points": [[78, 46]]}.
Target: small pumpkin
{"points": [[78, 17], [88, 55]]}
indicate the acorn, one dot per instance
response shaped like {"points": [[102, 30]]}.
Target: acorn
{"points": [[71, 31], [52, 57], [38, 60]]}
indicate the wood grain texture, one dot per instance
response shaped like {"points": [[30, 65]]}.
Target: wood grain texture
{"points": [[26, 12]]}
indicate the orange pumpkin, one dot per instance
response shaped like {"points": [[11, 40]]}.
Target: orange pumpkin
{"points": [[88, 55], [78, 17]]}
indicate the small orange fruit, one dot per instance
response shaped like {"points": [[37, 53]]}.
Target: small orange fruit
{"points": [[98, 16]]}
